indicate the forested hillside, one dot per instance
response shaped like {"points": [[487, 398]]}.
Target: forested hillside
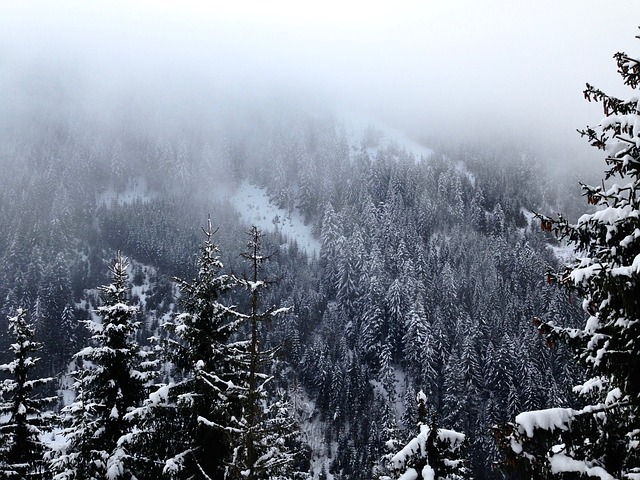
{"points": [[429, 273]]}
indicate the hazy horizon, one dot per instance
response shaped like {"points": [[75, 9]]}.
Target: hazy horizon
{"points": [[456, 70]]}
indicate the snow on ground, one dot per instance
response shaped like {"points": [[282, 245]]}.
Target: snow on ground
{"points": [[401, 383], [137, 190], [359, 127], [54, 440], [564, 253], [462, 168], [529, 215], [255, 208]]}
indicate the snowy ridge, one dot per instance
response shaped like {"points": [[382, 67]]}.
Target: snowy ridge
{"points": [[255, 208]]}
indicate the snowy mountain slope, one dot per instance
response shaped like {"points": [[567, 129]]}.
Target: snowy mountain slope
{"points": [[255, 208]]}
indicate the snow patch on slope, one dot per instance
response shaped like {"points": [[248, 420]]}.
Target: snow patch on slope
{"points": [[564, 253], [255, 208], [462, 168], [529, 215], [137, 190]]}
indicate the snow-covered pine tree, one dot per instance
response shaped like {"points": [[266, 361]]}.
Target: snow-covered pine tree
{"points": [[183, 424], [433, 454], [601, 438], [110, 383], [266, 435], [418, 350], [22, 420], [331, 232]]}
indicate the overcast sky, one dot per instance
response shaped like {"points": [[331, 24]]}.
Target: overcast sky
{"points": [[459, 66]]}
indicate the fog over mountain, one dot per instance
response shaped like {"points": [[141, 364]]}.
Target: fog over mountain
{"points": [[458, 69]]}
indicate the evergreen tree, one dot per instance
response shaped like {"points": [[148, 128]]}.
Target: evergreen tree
{"points": [[197, 407], [266, 432], [418, 349], [454, 386], [374, 326], [331, 233], [396, 302], [600, 438], [433, 454], [349, 262], [23, 421], [109, 383]]}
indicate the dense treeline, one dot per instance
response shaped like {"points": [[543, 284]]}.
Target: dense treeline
{"points": [[429, 272]]}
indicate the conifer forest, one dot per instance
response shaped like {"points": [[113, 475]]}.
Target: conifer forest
{"points": [[262, 290]]}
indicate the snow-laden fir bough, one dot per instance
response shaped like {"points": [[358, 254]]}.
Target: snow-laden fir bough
{"points": [[602, 438]]}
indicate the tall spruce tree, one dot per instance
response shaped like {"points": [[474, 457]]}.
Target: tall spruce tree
{"points": [[266, 433], [184, 424], [109, 383], [23, 420], [601, 438]]}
